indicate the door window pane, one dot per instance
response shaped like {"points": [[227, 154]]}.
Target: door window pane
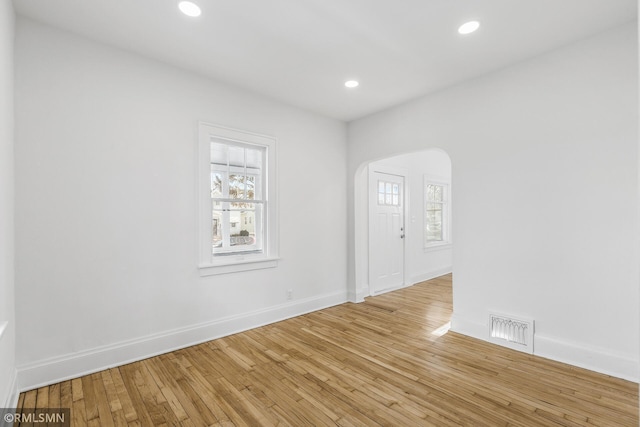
{"points": [[388, 193]]}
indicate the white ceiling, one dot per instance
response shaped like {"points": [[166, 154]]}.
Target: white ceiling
{"points": [[302, 51]]}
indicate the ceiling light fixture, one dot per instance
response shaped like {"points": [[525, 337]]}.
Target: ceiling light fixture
{"points": [[351, 84], [469, 27], [189, 8]]}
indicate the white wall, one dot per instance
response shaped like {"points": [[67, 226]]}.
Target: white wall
{"points": [[106, 238], [544, 158], [8, 386], [420, 263]]}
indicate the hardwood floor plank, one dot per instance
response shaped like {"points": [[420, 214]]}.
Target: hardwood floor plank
{"points": [[190, 401], [102, 401], [386, 362], [30, 397], [54, 396], [124, 399], [127, 374], [42, 397], [78, 409]]}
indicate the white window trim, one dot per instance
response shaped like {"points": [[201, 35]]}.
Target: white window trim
{"points": [[208, 264], [446, 241]]}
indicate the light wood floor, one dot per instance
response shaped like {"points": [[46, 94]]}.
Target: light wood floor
{"points": [[377, 363]]}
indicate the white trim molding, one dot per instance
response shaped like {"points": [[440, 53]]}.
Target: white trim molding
{"points": [[11, 393], [423, 277], [3, 328], [575, 354], [73, 365], [359, 295], [591, 358]]}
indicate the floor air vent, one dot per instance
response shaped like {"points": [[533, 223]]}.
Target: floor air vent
{"points": [[510, 332]]}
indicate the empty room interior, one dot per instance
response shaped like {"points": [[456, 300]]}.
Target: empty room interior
{"points": [[320, 212]]}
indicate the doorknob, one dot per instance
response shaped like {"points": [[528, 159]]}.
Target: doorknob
{"points": [[402, 230]]}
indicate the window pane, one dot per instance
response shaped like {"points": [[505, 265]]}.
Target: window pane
{"points": [[236, 156], [395, 189], [250, 185], [381, 198], [254, 158], [246, 231], [219, 153], [217, 229], [437, 193], [244, 234], [434, 222], [236, 186], [430, 191], [216, 184], [387, 187], [387, 199], [245, 228], [395, 200], [380, 187]]}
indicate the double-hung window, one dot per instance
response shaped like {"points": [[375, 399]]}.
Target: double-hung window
{"points": [[436, 213], [237, 194], [237, 200]]}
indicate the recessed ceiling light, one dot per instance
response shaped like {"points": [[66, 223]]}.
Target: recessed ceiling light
{"points": [[351, 84], [189, 8], [469, 27]]}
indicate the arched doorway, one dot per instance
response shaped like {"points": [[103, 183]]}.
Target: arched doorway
{"points": [[425, 204]]}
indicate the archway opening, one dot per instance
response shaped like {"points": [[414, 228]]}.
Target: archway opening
{"points": [[427, 222]]}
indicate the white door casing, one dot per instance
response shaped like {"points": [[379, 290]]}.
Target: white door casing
{"points": [[386, 231]]}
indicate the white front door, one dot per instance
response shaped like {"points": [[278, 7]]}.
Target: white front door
{"points": [[386, 232]]}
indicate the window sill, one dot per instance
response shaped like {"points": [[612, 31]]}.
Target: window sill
{"points": [[237, 265], [438, 247]]}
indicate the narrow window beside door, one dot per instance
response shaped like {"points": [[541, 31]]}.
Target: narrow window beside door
{"points": [[436, 214]]}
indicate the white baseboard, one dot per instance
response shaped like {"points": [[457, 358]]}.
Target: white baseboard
{"points": [[431, 275], [575, 354], [595, 359], [73, 365], [359, 295], [11, 399]]}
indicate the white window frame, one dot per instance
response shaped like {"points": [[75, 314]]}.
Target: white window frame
{"points": [[231, 263], [446, 213]]}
